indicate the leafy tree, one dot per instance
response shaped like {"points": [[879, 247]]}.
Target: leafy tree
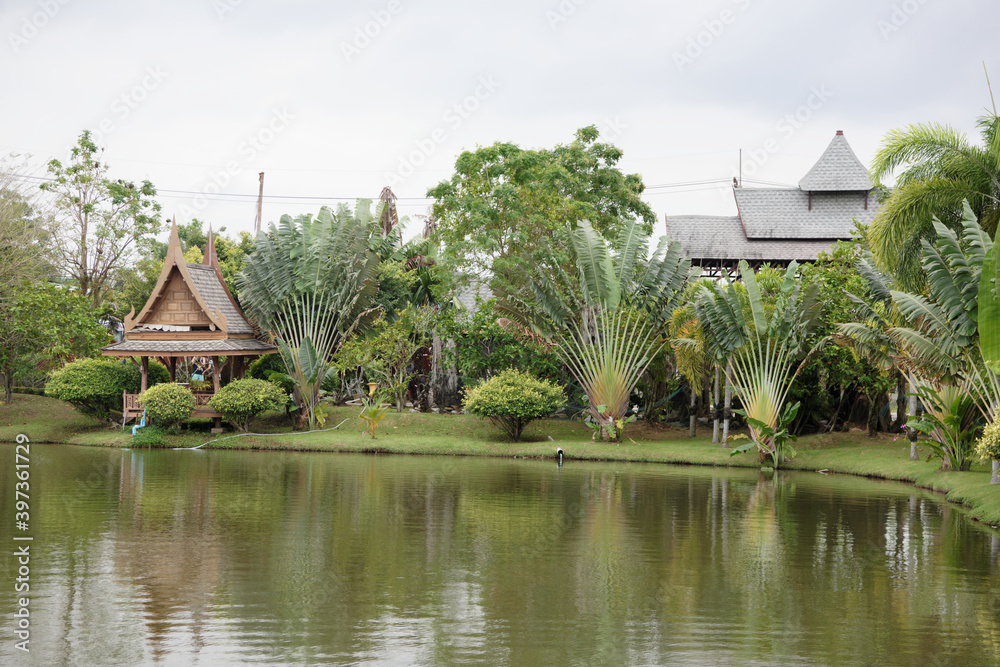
{"points": [[858, 315], [43, 326], [503, 199], [487, 344], [103, 222], [311, 283], [387, 352], [24, 233], [512, 399], [940, 169]]}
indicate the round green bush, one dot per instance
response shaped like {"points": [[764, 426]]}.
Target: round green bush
{"points": [[513, 398], [242, 400], [96, 385], [167, 404]]}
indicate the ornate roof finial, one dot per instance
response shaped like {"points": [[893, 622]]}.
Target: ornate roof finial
{"points": [[210, 258]]}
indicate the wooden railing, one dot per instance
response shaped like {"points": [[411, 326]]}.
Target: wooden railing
{"points": [[132, 410]]}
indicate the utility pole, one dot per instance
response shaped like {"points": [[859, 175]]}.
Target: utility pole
{"points": [[260, 204]]}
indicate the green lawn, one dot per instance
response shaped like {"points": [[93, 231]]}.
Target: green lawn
{"points": [[47, 420]]}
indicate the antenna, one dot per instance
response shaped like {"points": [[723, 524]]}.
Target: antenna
{"points": [[260, 204]]}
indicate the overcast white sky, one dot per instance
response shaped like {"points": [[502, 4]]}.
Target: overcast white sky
{"points": [[335, 100]]}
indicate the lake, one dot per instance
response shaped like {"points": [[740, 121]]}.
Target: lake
{"points": [[204, 557]]}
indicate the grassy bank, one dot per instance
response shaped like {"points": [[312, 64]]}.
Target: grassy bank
{"points": [[47, 420]]}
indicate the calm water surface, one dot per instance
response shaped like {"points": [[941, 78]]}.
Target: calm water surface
{"points": [[251, 557]]}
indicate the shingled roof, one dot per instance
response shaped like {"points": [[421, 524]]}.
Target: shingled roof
{"points": [[190, 311], [837, 169], [706, 238], [783, 224], [773, 213]]}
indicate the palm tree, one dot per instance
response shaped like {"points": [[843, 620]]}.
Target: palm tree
{"points": [[763, 347], [311, 283], [940, 169], [608, 317]]}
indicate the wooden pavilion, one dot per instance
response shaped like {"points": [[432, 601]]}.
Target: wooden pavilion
{"points": [[190, 313]]}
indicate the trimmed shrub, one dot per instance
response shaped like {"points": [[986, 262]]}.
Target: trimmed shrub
{"points": [[242, 400], [512, 399], [167, 404], [96, 385]]}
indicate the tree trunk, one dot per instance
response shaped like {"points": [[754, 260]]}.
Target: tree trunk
{"points": [[996, 473], [726, 405], [901, 402], [444, 379], [715, 405], [873, 408], [693, 419], [8, 389], [912, 432]]}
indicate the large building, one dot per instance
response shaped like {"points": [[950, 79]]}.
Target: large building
{"points": [[778, 225]]}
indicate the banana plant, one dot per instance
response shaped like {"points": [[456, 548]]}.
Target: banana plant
{"points": [[763, 347]]}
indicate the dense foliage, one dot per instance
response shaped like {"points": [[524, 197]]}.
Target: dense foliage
{"points": [[503, 201], [96, 385], [512, 399], [167, 404], [43, 326], [242, 400]]}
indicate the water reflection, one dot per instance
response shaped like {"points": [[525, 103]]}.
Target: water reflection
{"points": [[236, 557]]}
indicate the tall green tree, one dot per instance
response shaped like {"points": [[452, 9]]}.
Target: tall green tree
{"points": [[938, 168], [43, 326], [503, 199], [311, 282], [103, 223]]}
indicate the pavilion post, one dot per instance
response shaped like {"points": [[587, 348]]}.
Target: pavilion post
{"points": [[144, 374], [215, 374], [172, 365]]}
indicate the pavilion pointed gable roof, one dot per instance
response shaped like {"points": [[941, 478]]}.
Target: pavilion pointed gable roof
{"points": [[838, 169], [205, 284]]}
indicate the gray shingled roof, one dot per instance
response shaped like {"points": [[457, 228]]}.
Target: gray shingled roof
{"points": [[709, 237], [837, 169], [212, 292], [215, 346], [772, 213]]}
